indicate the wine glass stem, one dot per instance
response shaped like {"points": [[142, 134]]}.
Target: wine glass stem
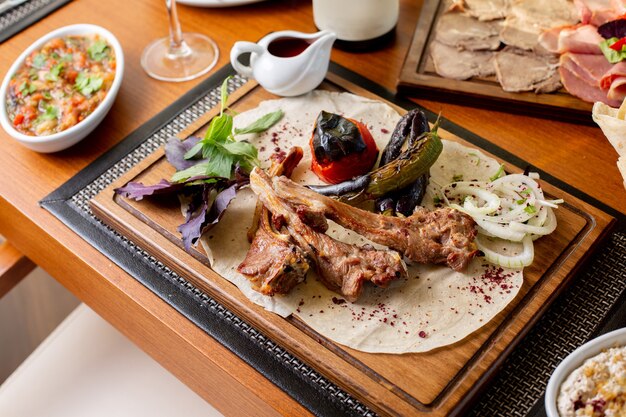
{"points": [[178, 47]]}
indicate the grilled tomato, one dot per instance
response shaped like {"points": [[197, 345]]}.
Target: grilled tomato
{"points": [[342, 148]]}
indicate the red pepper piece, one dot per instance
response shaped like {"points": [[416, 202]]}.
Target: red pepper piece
{"points": [[617, 46], [19, 118], [334, 169]]}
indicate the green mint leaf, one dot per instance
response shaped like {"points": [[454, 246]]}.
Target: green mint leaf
{"points": [[219, 129], [98, 50], [261, 124], [193, 151], [241, 148], [39, 61], [220, 163], [224, 94], [498, 174], [193, 171]]}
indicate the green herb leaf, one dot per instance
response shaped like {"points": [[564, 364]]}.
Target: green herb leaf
{"points": [[224, 93], [530, 209], [50, 113], [54, 73], [67, 58], [194, 150], [26, 89], [219, 130], [87, 85], [261, 124], [610, 54], [520, 201], [437, 200], [498, 174], [193, 171], [98, 50], [457, 178], [39, 61]]}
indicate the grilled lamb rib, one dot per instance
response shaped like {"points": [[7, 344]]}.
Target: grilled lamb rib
{"points": [[441, 236], [274, 264], [341, 267]]}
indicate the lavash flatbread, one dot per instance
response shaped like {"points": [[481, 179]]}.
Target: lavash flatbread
{"points": [[434, 307], [613, 125]]}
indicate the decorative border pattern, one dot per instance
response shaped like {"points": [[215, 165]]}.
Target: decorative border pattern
{"points": [[516, 388]]}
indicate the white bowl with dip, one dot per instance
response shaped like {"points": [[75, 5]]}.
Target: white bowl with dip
{"points": [[74, 134], [574, 360]]}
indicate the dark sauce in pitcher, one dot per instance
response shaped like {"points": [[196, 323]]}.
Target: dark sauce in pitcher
{"points": [[287, 47]]}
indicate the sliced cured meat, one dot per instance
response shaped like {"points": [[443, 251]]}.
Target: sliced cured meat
{"points": [[581, 74], [579, 39], [528, 18], [464, 32], [461, 65], [583, 39], [612, 72], [615, 81], [617, 90], [597, 12], [487, 9], [590, 68], [539, 71]]}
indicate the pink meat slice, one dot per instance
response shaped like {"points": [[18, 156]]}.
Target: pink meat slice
{"points": [[612, 73], [579, 39], [583, 39], [617, 91], [581, 75]]}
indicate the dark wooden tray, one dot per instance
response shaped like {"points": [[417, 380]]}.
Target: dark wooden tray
{"points": [[435, 383], [418, 75]]}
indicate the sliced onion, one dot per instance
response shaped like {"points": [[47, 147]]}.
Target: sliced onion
{"points": [[521, 260]]}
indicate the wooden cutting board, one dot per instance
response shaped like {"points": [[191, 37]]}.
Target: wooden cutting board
{"points": [[435, 383], [418, 75]]}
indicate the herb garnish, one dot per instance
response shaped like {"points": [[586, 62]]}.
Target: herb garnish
{"points": [[87, 85], [219, 148], [498, 174], [26, 89], [530, 209], [98, 50], [54, 73], [50, 113], [457, 178], [210, 171], [39, 61]]}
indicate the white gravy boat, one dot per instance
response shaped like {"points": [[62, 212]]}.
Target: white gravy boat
{"points": [[286, 63]]}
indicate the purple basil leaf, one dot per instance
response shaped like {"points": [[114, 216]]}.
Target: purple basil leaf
{"points": [[175, 150], [219, 206], [138, 191], [191, 230], [613, 29]]}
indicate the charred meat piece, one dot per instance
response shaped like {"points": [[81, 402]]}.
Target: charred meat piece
{"points": [[273, 263], [442, 236], [341, 267]]}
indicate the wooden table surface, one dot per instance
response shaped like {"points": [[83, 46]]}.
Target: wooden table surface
{"points": [[578, 155]]}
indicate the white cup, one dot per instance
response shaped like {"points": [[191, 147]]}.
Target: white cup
{"points": [[356, 20]]}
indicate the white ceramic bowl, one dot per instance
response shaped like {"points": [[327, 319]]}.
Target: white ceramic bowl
{"points": [[575, 360], [65, 139]]}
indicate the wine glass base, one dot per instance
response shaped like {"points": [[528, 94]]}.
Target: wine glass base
{"points": [[158, 61]]}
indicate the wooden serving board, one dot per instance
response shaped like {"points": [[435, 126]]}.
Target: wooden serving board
{"points": [[418, 74], [435, 383]]}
